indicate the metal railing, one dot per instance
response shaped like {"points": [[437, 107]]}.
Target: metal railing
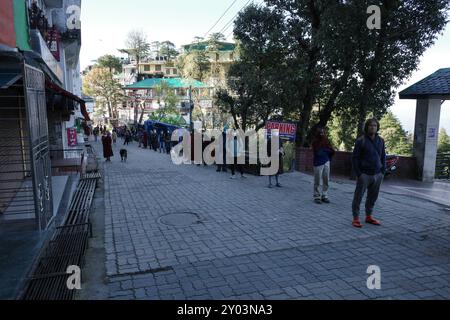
{"points": [[443, 166]]}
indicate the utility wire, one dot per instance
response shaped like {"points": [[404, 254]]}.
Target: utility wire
{"points": [[215, 24], [227, 26]]}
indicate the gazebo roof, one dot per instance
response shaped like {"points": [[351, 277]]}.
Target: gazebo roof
{"points": [[435, 86]]}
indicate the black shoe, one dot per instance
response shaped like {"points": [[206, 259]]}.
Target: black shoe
{"points": [[318, 201], [326, 200]]}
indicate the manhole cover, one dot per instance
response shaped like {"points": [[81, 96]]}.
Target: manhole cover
{"points": [[180, 219]]}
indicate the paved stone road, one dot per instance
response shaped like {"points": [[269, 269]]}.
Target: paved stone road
{"points": [[252, 242]]}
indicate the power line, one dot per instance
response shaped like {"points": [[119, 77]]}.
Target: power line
{"points": [[215, 24], [227, 26]]}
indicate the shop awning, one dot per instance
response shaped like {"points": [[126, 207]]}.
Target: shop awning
{"points": [[7, 79], [50, 85]]}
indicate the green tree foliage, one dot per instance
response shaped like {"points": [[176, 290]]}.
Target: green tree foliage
{"points": [[195, 65], [395, 137], [112, 63], [257, 87], [107, 91], [342, 132], [326, 55], [167, 101], [169, 50], [444, 142]]}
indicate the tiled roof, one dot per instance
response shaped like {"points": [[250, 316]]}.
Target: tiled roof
{"points": [[436, 86]]}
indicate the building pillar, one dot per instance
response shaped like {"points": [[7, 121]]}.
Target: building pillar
{"points": [[428, 113]]}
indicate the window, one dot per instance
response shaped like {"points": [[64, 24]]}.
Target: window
{"points": [[146, 68], [158, 67], [231, 56], [175, 71], [217, 57], [167, 71]]}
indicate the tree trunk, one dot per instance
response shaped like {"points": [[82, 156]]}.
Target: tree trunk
{"points": [[305, 117], [328, 109], [141, 118], [110, 114], [136, 111], [313, 55]]}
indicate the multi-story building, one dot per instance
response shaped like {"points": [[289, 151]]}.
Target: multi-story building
{"points": [[40, 112], [146, 93], [221, 54], [158, 68], [55, 30]]}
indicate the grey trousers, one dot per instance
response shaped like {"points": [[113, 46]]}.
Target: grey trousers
{"points": [[321, 174], [372, 184]]}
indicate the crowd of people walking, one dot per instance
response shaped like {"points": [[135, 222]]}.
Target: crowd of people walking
{"points": [[368, 160]]}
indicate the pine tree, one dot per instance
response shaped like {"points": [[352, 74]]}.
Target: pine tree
{"points": [[395, 136]]}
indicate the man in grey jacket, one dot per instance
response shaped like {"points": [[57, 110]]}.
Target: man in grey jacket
{"points": [[369, 164]]}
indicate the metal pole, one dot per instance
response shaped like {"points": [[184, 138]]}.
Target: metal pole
{"points": [[191, 108]]}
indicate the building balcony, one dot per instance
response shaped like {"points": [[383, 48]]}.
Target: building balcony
{"points": [[39, 46]]}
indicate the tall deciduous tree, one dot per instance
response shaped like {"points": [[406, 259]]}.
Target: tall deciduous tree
{"points": [[137, 47], [257, 82], [100, 84], [334, 60]]}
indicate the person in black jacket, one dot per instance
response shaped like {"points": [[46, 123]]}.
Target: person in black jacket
{"points": [[369, 164]]}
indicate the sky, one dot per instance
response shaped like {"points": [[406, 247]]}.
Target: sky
{"points": [[105, 24]]}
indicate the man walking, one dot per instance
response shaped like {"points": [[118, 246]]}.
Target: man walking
{"points": [[369, 164]]}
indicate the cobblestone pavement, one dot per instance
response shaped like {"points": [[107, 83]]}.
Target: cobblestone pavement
{"points": [[252, 242]]}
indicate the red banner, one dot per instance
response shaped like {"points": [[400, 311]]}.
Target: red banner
{"points": [[7, 31], [72, 139], [54, 42]]}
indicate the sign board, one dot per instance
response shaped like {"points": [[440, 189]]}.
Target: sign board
{"points": [[288, 130], [206, 104], [185, 107], [72, 139], [432, 132]]}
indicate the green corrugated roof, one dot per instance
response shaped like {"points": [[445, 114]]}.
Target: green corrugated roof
{"points": [[223, 46], [21, 25], [171, 82]]}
